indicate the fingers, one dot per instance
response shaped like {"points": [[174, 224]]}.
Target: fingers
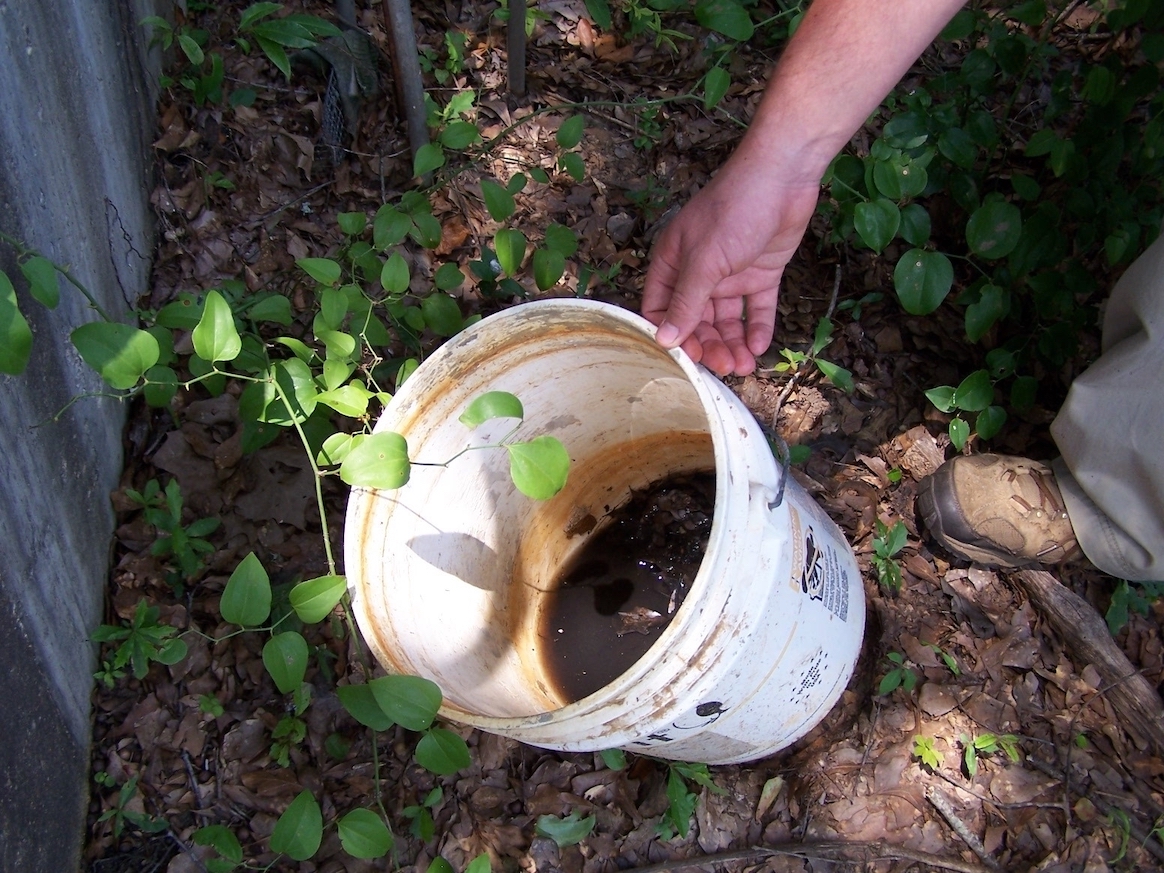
{"points": [[761, 320], [677, 288], [659, 286]]}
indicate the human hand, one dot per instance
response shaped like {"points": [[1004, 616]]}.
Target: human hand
{"points": [[714, 274]]}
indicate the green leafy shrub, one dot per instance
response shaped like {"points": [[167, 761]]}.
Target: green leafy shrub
{"points": [[1038, 199]]}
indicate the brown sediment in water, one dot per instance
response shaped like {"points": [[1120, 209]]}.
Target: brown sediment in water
{"points": [[619, 592]]}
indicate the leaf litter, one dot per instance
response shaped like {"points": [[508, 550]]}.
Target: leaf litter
{"points": [[1085, 793]]}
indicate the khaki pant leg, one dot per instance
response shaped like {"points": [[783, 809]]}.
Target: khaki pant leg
{"points": [[1110, 432]]}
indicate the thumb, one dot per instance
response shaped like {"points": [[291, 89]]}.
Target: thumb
{"points": [[687, 306]]}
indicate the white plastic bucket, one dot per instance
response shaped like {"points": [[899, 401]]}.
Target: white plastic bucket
{"points": [[447, 574]]}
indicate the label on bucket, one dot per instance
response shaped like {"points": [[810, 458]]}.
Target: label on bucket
{"points": [[817, 569]]}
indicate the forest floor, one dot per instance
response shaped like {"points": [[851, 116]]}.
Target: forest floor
{"points": [[1084, 791]]}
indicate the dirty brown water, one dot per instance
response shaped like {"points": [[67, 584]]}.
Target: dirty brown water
{"points": [[617, 594]]}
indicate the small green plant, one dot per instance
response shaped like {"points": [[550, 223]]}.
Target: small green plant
{"points": [[204, 73], [856, 307], [185, 544], [822, 336], [652, 199], [291, 729], [276, 34], [947, 658], [138, 644], [901, 676], [681, 799], [1122, 823], [565, 830], [987, 744], [228, 853], [648, 128], [454, 57], [1044, 203], [925, 751], [122, 814], [614, 759], [887, 543], [1128, 598], [420, 815]]}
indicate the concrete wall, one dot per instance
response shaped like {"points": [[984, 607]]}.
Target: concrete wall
{"points": [[76, 119]]}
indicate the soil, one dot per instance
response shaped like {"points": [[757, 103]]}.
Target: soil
{"points": [[622, 588], [1086, 788]]}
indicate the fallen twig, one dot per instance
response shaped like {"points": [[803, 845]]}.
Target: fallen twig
{"points": [[833, 850], [942, 805], [1087, 637]]}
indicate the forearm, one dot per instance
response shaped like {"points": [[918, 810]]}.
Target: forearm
{"points": [[844, 58]]}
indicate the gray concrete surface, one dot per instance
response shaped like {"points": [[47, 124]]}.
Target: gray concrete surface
{"points": [[76, 119]]}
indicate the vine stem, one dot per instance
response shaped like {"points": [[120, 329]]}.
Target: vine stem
{"points": [[315, 472], [23, 251]]}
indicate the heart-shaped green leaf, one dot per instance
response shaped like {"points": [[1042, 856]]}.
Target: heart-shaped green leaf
{"points": [[216, 338], [990, 421], [410, 701], [942, 397], [390, 227], [352, 223], [394, 277], [448, 277], [959, 433], [539, 467], [498, 201], [350, 400], [876, 222], [222, 839], [314, 599], [43, 282], [15, 334], [491, 404], [363, 834], [994, 229], [975, 392], [285, 657], [380, 461], [442, 315], [360, 702], [429, 157], [325, 271], [271, 307], [120, 354], [561, 239], [442, 752], [727, 17], [922, 280], [299, 830], [246, 600], [548, 267], [993, 303], [715, 86], [570, 132], [459, 135], [565, 831], [510, 245], [915, 225]]}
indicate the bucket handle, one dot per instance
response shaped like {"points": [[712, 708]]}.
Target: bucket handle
{"points": [[783, 456]]}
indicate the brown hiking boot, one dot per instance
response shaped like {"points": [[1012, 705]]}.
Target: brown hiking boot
{"points": [[998, 510]]}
